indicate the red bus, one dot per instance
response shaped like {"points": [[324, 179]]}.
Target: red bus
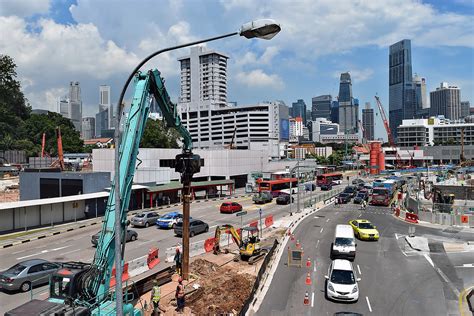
{"points": [[381, 196], [328, 178], [275, 186]]}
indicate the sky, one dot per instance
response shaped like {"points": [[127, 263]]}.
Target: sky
{"points": [[99, 42]]}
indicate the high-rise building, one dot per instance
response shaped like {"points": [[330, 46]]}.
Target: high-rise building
{"points": [[63, 106], [299, 109], [308, 116], [88, 127], [204, 78], [75, 105], [446, 100], [335, 112], [321, 107], [400, 84], [296, 128], [368, 122], [348, 111], [106, 104], [101, 123], [465, 109], [421, 100]]}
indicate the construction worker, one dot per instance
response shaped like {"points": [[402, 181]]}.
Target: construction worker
{"points": [[178, 259], [180, 296], [363, 204], [155, 299]]}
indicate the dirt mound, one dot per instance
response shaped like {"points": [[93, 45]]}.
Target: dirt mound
{"points": [[222, 291], [203, 267]]}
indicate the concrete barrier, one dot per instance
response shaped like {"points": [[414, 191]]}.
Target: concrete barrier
{"points": [[138, 266]]}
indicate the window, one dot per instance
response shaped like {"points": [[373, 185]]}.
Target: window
{"points": [[36, 268], [49, 266]]}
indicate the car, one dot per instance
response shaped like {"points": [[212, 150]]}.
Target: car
{"points": [[351, 190], [341, 282], [131, 236], [284, 199], [344, 245], [343, 198], [26, 274], [144, 219], [357, 181], [262, 197], [310, 186], [364, 230], [361, 196], [230, 207], [327, 186], [169, 220], [195, 227]]}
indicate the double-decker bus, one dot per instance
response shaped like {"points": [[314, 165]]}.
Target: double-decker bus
{"points": [[275, 186], [329, 178]]}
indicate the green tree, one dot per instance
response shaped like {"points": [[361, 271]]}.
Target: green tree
{"points": [[158, 135]]}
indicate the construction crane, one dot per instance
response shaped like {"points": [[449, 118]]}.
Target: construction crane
{"points": [[364, 137], [231, 144], [59, 163], [83, 289]]}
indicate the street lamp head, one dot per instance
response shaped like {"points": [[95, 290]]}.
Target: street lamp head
{"points": [[263, 28]]}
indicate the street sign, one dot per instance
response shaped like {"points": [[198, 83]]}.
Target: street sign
{"points": [[241, 213], [260, 211]]}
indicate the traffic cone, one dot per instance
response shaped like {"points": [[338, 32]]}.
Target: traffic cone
{"points": [[292, 237], [308, 263], [306, 299], [308, 279], [298, 244]]}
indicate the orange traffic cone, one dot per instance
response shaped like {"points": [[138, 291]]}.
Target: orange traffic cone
{"points": [[308, 263], [306, 299], [308, 279], [298, 244]]}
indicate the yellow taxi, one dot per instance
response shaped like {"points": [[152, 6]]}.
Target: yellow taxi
{"points": [[364, 230]]}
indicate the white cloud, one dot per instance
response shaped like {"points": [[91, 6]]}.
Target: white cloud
{"points": [[23, 8], [259, 79], [357, 75]]}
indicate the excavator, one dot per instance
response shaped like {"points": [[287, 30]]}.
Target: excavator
{"points": [[249, 247], [84, 289]]}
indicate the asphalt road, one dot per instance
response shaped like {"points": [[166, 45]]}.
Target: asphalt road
{"points": [[76, 245], [395, 279]]}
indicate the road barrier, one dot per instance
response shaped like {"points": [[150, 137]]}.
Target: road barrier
{"points": [[153, 259], [254, 224], [138, 266], [125, 275], [209, 244], [397, 211], [411, 218], [269, 221]]}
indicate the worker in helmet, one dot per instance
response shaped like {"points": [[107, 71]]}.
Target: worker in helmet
{"points": [[180, 296], [178, 259], [155, 299]]}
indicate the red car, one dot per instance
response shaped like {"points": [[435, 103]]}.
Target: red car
{"points": [[229, 207]]}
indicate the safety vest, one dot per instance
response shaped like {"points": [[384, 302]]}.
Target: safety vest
{"points": [[156, 294]]}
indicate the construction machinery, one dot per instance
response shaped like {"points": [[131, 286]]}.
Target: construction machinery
{"points": [[84, 289], [248, 241]]}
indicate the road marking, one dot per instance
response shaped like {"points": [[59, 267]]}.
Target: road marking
{"points": [[321, 230], [368, 303], [358, 269], [42, 252], [312, 299], [396, 236], [427, 257], [65, 253], [317, 243], [314, 269], [466, 265], [327, 220], [360, 215]]}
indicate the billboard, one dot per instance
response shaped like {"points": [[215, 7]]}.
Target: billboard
{"points": [[284, 129]]}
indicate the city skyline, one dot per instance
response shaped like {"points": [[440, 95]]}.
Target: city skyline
{"points": [[310, 61]]}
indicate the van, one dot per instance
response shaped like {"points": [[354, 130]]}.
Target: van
{"points": [[344, 245]]}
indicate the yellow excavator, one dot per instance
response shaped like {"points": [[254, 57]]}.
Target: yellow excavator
{"points": [[249, 246]]}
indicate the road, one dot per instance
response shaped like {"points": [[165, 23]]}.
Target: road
{"points": [[76, 245], [395, 279]]}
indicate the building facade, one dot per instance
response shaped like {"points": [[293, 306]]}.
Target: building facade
{"points": [[348, 111], [299, 109], [421, 100], [75, 105], [465, 109], [368, 122], [88, 127], [335, 112], [203, 78], [321, 107], [101, 123], [433, 132], [322, 126], [446, 100], [400, 84], [106, 104], [296, 129]]}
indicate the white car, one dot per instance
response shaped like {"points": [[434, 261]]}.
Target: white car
{"points": [[341, 282]]}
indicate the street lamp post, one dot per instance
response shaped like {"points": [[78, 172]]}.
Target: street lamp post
{"points": [[263, 28]]}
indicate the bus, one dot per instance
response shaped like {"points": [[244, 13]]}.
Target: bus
{"points": [[381, 196], [275, 186], [329, 178]]}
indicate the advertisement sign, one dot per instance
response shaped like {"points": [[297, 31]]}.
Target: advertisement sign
{"points": [[284, 129]]}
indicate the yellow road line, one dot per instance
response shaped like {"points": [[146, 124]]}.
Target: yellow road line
{"points": [[461, 299]]}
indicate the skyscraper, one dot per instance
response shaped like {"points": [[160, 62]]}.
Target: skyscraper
{"points": [[106, 105], [348, 111], [400, 85], [335, 112], [421, 100], [368, 122], [446, 100], [75, 105], [321, 107], [465, 108], [88, 127], [299, 109]]}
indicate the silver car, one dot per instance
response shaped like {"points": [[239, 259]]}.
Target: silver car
{"points": [[23, 275], [195, 227], [144, 219]]}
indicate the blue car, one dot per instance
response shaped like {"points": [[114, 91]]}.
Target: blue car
{"points": [[169, 220]]}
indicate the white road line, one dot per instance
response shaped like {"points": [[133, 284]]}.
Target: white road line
{"points": [[466, 265], [396, 236], [368, 303], [317, 243], [327, 220], [312, 299], [65, 253], [427, 257], [321, 230], [42, 252], [360, 215], [358, 269], [314, 269]]}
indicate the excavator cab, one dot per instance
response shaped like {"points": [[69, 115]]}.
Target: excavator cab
{"points": [[250, 245]]}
